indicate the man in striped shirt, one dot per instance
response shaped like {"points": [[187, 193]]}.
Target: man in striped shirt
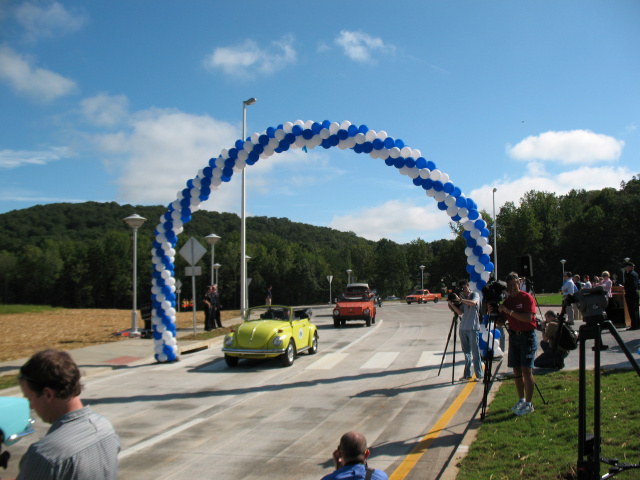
{"points": [[80, 443]]}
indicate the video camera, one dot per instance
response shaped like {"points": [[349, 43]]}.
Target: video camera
{"points": [[592, 302], [493, 293], [454, 295]]}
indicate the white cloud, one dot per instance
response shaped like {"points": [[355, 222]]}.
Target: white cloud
{"points": [[48, 21], [105, 110], [361, 47], [393, 219], [569, 147], [34, 82], [161, 150], [248, 57], [18, 158], [585, 178]]}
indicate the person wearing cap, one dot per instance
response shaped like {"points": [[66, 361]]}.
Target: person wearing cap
{"points": [[519, 312], [631, 294], [80, 444]]}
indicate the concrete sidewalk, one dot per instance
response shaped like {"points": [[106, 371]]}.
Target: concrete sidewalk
{"points": [[128, 352]]}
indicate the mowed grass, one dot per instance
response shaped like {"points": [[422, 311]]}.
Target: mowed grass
{"points": [[544, 444], [11, 309]]}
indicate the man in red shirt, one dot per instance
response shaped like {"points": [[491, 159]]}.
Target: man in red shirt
{"points": [[519, 311]]}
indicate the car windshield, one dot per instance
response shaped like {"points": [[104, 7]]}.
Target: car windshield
{"points": [[419, 292], [268, 313]]}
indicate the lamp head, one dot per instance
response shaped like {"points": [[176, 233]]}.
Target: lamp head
{"points": [[251, 101]]}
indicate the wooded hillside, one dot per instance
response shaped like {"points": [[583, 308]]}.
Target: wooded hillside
{"points": [[79, 255]]}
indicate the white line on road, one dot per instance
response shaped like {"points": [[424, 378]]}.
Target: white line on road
{"points": [[328, 361], [428, 359], [380, 360], [159, 438]]}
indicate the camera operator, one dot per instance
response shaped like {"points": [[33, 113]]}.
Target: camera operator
{"points": [[519, 311], [466, 305], [631, 294]]}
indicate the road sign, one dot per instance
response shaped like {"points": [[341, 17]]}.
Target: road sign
{"points": [[192, 251]]}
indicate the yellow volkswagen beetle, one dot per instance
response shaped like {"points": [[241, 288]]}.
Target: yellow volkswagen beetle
{"points": [[272, 331]]}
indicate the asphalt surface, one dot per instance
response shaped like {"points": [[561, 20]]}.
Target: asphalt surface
{"points": [[130, 353]]}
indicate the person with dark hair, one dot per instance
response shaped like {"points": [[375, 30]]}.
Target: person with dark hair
{"points": [[469, 328], [350, 460], [80, 444], [568, 288], [631, 294], [206, 300], [215, 321], [519, 312], [268, 295]]}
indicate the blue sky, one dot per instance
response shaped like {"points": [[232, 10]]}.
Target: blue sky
{"points": [[126, 100]]}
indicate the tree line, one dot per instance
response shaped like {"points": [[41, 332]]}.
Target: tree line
{"points": [[80, 255]]}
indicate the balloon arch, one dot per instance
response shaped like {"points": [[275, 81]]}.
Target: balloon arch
{"points": [[299, 134]]}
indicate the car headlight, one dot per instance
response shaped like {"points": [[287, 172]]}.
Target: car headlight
{"points": [[336, 312], [277, 341], [228, 341], [366, 311]]}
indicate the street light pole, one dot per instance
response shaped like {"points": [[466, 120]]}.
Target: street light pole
{"points": [[246, 294], [349, 276], [135, 221], [563, 262], [216, 266], [212, 239], [243, 225], [422, 276], [495, 243]]}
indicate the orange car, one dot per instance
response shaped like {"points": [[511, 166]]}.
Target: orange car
{"points": [[423, 296], [356, 303]]}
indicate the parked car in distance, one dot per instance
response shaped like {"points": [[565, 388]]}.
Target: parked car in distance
{"points": [[356, 303], [423, 296], [271, 331]]}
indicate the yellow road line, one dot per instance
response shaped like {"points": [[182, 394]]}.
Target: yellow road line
{"points": [[410, 461]]}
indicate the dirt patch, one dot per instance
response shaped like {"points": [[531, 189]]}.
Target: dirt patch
{"points": [[26, 333]]}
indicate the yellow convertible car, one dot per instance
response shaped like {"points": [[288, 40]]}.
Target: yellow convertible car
{"points": [[272, 331]]}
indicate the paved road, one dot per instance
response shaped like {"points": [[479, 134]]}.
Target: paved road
{"points": [[197, 418]]}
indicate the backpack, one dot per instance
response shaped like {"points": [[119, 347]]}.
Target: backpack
{"points": [[568, 339]]}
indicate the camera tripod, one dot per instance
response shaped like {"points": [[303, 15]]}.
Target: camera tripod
{"points": [[488, 365], [589, 445], [454, 330]]}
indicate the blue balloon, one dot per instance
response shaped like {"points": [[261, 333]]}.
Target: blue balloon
{"points": [[417, 181], [427, 184], [480, 224], [485, 232], [473, 214], [271, 132], [489, 266], [399, 163], [456, 218], [258, 149], [307, 134], [484, 259], [239, 144], [353, 130], [410, 162], [442, 206], [363, 129], [421, 162], [470, 268], [399, 143], [233, 153], [377, 144], [296, 130], [289, 138], [431, 165], [477, 250], [342, 134], [438, 186], [461, 202], [475, 276], [448, 187], [334, 141], [466, 234], [456, 192], [228, 163], [389, 161], [471, 242], [389, 143]]}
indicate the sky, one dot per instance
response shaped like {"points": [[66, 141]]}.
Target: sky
{"points": [[126, 101]]}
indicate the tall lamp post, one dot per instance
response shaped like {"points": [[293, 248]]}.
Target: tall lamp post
{"points": [[212, 239], [135, 221], [422, 277], [495, 244], [243, 225], [248, 280], [349, 276], [216, 266], [563, 262]]}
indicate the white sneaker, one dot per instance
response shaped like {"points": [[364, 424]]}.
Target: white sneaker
{"points": [[517, 406], [524, 409], [465, 379]]}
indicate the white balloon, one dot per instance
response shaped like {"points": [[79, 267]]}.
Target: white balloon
{"points": [[161, 327], [344, 125], [382, 135], [299, 122], [370, 135], [404, 170], [414, 172], [479, 267], [360, 138], [430, 192], [425, 173], [468, 251], [157, 349], [463, 212], [450, 201], [488, 249], [452, 211], [394, 152], [243, 155], [171, 341], [468, 225], [475, 233], [167, 335], [444, 178], [279, 134], [324, 134], [440, 196], [219, 163], [287, 127], [334, 127], [405, 152], [435, 174], [415, 153], [383, 154], [482, 241], [162, 358], [472, 259], [485, 276]]}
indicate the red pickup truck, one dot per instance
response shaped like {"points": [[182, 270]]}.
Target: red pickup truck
{"points": [[356, 303], [423, 296]]}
